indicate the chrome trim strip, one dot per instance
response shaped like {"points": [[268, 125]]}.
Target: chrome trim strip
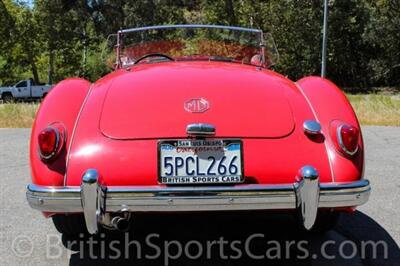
{"points": [[78, 117], [160, 27], [162, 198], [316, 118]]}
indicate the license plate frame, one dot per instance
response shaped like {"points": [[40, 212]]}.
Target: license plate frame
{"points": [[218, 179]]}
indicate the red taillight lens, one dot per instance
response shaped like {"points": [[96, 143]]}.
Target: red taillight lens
{"points": [[348, 137], [49, 140]]}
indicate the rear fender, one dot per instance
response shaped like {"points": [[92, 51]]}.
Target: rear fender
{"points": [[330, 105], [62, 105]]}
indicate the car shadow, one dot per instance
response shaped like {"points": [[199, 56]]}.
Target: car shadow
{"points": [[238, 239]]}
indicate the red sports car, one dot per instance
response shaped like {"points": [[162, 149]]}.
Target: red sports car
{"points": [[192, 119]]}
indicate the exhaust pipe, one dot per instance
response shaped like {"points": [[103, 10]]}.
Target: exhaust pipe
{"points": [[120, 223]]}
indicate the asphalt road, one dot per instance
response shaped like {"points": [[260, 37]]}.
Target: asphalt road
{"points": [[29, 239]]}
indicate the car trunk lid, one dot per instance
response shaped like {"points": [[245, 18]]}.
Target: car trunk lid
{"points": [[159, 101]]}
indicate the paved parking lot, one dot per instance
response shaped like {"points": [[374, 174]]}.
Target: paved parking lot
{"points": [[29, 239]]}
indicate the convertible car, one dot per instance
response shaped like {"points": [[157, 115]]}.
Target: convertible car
{"points": [[193, 118]]}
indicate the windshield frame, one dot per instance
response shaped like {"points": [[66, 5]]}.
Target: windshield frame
{"points": [[118, 63]]}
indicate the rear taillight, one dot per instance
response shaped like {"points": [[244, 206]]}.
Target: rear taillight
{"points": [[347, 138], [50, 140]]}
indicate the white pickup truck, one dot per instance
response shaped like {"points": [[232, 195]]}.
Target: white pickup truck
{"points": [[24, 90]]}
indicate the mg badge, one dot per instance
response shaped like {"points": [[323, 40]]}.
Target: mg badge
{"points": [[198, 105]]}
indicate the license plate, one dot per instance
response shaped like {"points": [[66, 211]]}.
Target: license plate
{"points": [[210, 161]]}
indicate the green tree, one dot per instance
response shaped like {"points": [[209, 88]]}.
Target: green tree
{"points": [[19, 47], [7, 25], [383, 35], [55, 39]]}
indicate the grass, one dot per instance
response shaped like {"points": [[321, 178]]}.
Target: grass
{"points": [[376, 109], [17, 114], [371, 109]]}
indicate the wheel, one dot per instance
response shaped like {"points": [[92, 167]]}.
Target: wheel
{"points": [[326, 221], [7, 98], [70, 225]]}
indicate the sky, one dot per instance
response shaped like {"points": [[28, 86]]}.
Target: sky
{"points": [[28, 2]]}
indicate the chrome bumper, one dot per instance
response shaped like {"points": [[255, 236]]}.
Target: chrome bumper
{"points": [[94, 200]]}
